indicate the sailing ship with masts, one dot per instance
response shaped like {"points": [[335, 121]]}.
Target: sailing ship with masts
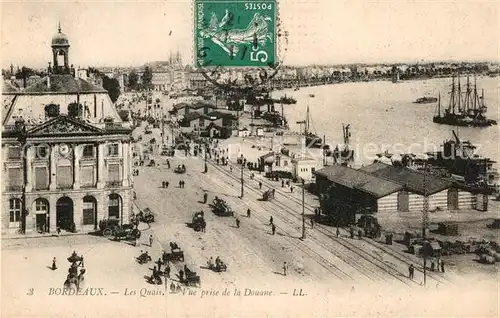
{"points": [[468, 110], [312, 140]]}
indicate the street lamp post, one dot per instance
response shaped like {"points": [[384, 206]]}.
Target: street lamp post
{"points": [[242, 166], [425, 220], [303, 211]]}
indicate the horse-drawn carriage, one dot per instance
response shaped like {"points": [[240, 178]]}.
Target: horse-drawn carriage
{"points": [[176, 254], [221, 208], [192, 280], [167, 151], [126, 232], [146, 216], [144, 258], [198, 223], [152, 163], [180, 169], [112, 227], [219, 266], [268, 195]]}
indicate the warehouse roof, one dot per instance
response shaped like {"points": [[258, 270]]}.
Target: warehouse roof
{"points": [[412, 180], [359, 180]]}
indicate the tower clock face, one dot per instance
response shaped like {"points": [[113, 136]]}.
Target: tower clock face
{"points": [[63, 149]]}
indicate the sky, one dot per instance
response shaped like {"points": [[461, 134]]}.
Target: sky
{"points": [[319, 31]]}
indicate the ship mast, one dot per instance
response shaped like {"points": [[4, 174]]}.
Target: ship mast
{"points": [[439, 104], [475, 94], [307, 120], [459, 95], [451, 106]]}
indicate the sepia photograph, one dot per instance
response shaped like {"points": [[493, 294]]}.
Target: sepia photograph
{"points": [[250, 158]]}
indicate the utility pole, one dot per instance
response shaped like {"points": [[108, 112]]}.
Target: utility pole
{"points": [[303, 211], [242, 180], [162, 128], [425, 221]]}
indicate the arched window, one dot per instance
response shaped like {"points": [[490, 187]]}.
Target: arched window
{"points": [[14, 212]]}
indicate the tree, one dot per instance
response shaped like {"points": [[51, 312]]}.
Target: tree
{"points": [[147, 77], [133, 79], [112, 86]]}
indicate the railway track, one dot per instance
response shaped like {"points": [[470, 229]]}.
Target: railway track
{"points": [[380, 270], [320, 259], [329, 232]]}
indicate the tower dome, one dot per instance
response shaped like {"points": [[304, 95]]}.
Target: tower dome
{"points": [[60, 39]]}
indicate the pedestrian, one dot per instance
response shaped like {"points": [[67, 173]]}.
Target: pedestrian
{"points": [[205, 197], [282, 183], [180, 184], [285, 268], [411, 270], [248, 213], [338, 232], [237, 223], [432, 266], [351, 231], [312, 224], [273, 228], [159, 263], [166, 184], [82, 263], [291, 189], [167, 271], [58, 230], [181, 275], [271, 220], [442, 266], [54, 266], [260, 184], [360, 234], [163, 184], [150, 240], [231, 168]]}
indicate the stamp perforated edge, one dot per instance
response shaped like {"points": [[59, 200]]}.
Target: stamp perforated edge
{"points": [[281, 42]]}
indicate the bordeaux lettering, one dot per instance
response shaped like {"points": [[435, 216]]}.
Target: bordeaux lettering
{"points": [[72, 292]]}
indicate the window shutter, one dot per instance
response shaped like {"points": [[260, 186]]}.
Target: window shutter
{"points": [[114, 172], [87, 175], [64, 176], [41, 178]]}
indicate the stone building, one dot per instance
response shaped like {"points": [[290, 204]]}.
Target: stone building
{"points": [[66, 153]]}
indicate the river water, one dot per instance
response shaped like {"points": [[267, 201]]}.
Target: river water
{"points": [[383, 116]]}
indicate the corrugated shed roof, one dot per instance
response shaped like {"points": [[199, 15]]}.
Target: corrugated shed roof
{"points": [[200, 104], [359, 180], [63, 83], [410, 179], [221, 115]]}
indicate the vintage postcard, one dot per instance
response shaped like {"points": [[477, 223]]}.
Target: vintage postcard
{"points": [[250, 158]]}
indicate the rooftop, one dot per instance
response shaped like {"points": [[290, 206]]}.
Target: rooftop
{"points": [[410, 179], [359, 180], [64, 83]]}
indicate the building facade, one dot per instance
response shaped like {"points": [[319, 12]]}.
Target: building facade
{"points": [[66, 154]]}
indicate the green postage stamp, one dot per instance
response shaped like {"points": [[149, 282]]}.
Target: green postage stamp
{"points": [[235, 33]]}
